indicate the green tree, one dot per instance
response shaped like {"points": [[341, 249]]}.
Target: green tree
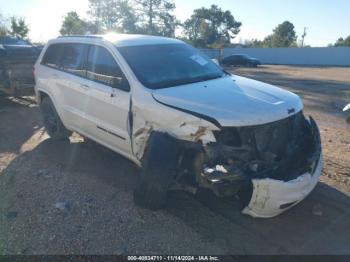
{"points": [[19, 28], [128, 18], [254, 43], [268, 41], [113, 15], [343, 42], [283, 36], [73, 25], [156, 17], [211, 27]]}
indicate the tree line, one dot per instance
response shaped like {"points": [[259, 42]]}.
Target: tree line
{"points": [[210, 27], [207, 27], [342, 42], [283, 35]]}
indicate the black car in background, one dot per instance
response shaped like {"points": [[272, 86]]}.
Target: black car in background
{"points": [[240, 60], [17, 58]]}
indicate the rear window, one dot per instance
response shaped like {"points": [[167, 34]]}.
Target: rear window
{"points": [[90, 61], [13, 41], [68, 57], [52, 56]]}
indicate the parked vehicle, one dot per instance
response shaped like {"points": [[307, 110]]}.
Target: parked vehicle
{"points": [[17, 58], [240, 60], [187, 123]]}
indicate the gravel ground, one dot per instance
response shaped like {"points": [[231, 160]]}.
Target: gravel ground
{"points": [[75, 197]]}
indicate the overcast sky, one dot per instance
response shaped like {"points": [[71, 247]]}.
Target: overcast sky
{"points": [[326, 20]]}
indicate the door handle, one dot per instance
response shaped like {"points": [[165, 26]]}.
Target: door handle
{"points": [[85, 87], [114, 92]]}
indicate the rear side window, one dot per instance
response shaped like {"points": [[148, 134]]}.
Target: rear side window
{"points": [[52, 56], [73, 58], [67, 57], [102, 67]]}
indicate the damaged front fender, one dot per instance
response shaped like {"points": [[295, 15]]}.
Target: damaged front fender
{"points": [[177, 124]]}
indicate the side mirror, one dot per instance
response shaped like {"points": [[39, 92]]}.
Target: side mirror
{"points": [[215, 61]]}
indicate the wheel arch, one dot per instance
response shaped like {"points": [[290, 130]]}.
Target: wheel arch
{"points": [[41, 94]]}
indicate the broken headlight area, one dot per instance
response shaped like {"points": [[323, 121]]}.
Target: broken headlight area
{"points": [[282, 150]]}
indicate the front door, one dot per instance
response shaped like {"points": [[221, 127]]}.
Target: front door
{"points": [[108, 103]]}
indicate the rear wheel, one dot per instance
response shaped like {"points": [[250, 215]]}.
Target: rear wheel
{"points": [[52, 121]]}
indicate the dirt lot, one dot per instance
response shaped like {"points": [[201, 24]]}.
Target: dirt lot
{"points": [[76, 197]]}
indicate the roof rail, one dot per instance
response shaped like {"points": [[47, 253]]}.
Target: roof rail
{"points": [[87, 36]]}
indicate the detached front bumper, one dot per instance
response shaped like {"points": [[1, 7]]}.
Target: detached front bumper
{"points": [[272, 197]]}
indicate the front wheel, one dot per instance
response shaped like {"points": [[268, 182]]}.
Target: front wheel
{"points": [[159, 168], [52, 121]]}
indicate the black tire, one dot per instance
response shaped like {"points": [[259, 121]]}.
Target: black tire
{"points": [[245, 194], [52, 121], [159, 168]]}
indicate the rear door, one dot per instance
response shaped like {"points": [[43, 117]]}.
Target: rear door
{"points": [[68, 82], [109, 99], [239, 60], [234, 60]]}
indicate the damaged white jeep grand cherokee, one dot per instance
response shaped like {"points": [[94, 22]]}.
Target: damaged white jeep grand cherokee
{"points": [[179, 116]]}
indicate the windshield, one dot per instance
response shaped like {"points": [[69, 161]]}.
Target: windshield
{"points": [[166, 65]]}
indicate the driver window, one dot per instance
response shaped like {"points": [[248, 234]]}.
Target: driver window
{"points": [[101, 67]]}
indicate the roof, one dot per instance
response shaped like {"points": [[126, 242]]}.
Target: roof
{"points": [[128, 39], [8, 40]]}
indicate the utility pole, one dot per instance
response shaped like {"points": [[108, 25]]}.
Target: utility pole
{"points": [[303, 37]]}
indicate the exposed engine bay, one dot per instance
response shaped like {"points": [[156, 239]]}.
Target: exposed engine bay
{"points": [[282, 150]]}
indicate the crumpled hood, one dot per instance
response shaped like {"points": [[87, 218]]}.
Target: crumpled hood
{"points": [[232, 100]]}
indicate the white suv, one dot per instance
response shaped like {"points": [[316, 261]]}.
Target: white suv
{"points": [[186, 122]]}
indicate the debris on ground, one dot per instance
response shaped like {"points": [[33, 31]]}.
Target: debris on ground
{"points": [[11, 215], [317, 210], [43, 173], [63, 206]]}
